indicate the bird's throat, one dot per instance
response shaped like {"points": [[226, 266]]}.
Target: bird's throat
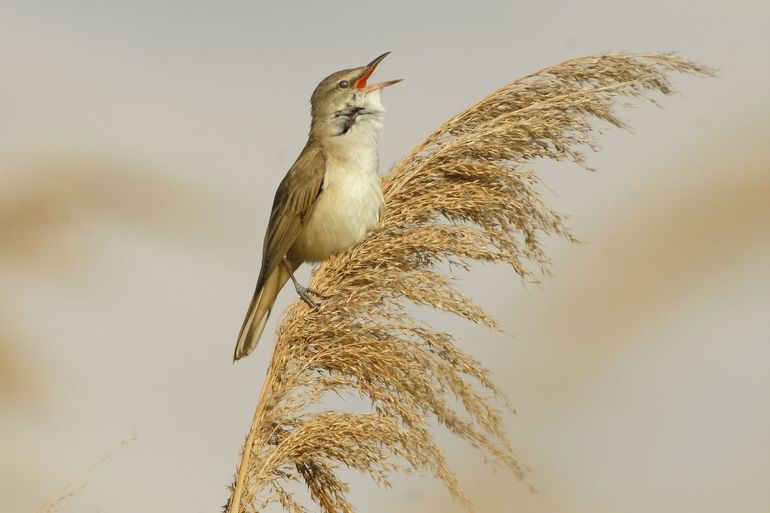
{"points": [[357, 121], [347, 118]]}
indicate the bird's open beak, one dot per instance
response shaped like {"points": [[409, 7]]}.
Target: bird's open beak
{"points": [[360, 84]]}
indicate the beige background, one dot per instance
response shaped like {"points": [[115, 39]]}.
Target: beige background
{"points": [[140, 145]]}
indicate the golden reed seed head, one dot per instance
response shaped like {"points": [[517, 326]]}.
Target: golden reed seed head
{"points": [[463, 195]]}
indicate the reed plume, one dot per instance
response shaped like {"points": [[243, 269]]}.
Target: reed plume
{"points": [[465, 194]]}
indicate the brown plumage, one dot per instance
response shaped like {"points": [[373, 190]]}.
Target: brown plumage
{"points": [[294, 199], [330, 197]]}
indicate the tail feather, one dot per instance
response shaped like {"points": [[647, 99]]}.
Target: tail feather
{"points": [[259, 311]]}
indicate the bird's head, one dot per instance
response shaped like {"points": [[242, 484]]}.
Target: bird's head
{"points": [[345, 98]]}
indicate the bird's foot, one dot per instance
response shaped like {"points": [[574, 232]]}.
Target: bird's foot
{"points": [[303, 293], [316, 293]]}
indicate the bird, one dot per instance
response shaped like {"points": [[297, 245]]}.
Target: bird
{"points": [[330, 197]]}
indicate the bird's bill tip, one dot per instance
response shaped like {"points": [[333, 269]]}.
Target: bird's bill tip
{"points": [[361, 81], [380, 85]]}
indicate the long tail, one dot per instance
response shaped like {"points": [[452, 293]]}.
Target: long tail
{"points": [[259, 311]]}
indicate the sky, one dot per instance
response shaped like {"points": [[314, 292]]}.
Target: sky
{"points": [[140, 147]]}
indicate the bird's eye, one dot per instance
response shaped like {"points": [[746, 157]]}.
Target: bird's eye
{"points": [[344, 84]]}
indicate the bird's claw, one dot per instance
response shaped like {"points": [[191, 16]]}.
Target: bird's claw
{"points": [[316, 293], [303, 293]]}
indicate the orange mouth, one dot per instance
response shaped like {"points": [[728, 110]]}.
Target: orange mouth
{"points": [[360, 84]]}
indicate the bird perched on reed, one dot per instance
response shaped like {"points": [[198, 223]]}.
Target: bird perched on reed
{"points": [[329, 198], [467, 193]]}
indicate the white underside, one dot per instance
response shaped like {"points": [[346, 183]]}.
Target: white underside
{"points": [[351, 199]]}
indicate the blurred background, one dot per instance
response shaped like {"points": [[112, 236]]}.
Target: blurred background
{"points": [[140, 146]]}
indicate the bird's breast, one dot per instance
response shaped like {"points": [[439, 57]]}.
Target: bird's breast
{"points": [[348, 206]]}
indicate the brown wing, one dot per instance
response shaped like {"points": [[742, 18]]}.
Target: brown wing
{"points": [[294, 200]]}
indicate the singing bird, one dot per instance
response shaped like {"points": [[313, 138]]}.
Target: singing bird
{"points": [[330, 197]]}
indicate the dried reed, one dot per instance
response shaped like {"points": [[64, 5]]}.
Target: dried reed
{"points": [[462, 195]]}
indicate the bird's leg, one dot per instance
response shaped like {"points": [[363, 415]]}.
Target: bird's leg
{"points": [[302, 291]]}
